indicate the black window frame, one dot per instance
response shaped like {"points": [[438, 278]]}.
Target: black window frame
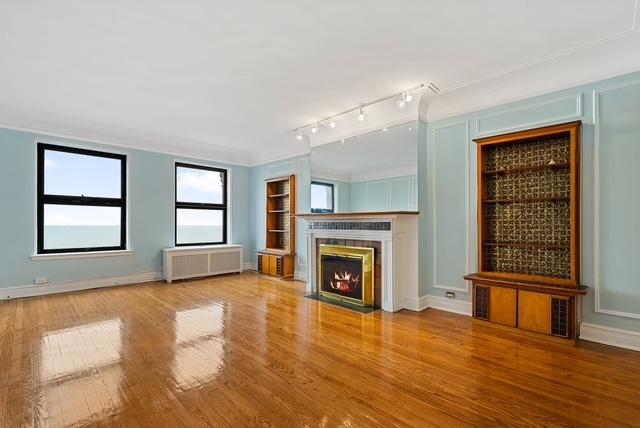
{"points": [[79, 200], [333, 198], [201, 205]]}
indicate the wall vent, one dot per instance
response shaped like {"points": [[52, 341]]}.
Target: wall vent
{"points": [[559, 317], [481, 304]]}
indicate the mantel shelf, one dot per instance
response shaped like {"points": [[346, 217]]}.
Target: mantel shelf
{"points": [[277, 230], [278, 211], [280, 195], [551, 199], [528, 169]]}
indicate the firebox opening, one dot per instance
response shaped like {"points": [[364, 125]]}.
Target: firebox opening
{"points": [[342, 275], [346, 274]]}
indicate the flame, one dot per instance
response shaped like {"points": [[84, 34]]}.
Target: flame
{"points": [[345, 281]]}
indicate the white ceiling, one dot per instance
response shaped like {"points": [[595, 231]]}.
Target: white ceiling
{"points": [[227, 80], [374, 155]]}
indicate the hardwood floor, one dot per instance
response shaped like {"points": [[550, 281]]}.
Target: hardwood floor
{"points": [[246, 350]]}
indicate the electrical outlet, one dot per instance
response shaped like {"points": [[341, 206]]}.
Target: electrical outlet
{"points": [[41, 280], [451, 295]]}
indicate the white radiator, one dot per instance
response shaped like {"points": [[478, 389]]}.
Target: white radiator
{"points": [[191, 262]]}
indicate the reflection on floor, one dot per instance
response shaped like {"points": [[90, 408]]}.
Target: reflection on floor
{"points": [[199, 353], [246, 350]]}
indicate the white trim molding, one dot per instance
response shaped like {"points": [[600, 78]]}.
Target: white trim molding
{"points": [[610, 336], [416, 305], [551, 120], [250, 266], [300, 275], [456, 306], [78, 285], [596, 201], [434, 188], [82, 255]]}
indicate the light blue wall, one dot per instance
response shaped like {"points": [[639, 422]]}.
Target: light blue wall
{"points": [[301, 167], [151, 212], [610, 235], [388, 194]]}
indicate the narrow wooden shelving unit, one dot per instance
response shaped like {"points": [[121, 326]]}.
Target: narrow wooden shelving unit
{"points": [[278, 258], [528, 230]]}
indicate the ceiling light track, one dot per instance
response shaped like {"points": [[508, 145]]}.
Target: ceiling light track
{"points": [[402, 99]]}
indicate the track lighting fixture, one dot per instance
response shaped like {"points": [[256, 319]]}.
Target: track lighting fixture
{"points": [[401, 100]]}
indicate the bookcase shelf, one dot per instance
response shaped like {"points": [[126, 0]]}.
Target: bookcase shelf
{"points": [[544, 199], [554, 166]]}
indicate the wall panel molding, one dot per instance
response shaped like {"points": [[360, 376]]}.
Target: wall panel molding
{"points": [[596, 201], [434, 186], [571, 106]]}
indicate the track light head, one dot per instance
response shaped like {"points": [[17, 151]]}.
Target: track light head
{"points": [[332, 124], [361, 115], [402, 101], [408, 97], [315, 128], [299, 136]]}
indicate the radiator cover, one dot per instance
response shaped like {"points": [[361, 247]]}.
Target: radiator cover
{"points": [[192, 262]]}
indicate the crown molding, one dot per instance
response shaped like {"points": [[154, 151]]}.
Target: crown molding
{"points": [[600, 60], [58, 126]]}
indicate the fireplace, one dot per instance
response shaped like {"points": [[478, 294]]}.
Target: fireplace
{"points": [[346, 274]]}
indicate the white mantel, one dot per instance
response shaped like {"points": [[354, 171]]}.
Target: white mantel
{"points": [[399, 243]]}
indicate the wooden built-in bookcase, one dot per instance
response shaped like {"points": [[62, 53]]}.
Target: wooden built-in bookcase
{"points": [[277, 259], [528, 230]]}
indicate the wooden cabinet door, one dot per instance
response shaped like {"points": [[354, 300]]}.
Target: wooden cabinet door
{"points": [[534, 311], [502, 305], [265, 263], [273, 265]]}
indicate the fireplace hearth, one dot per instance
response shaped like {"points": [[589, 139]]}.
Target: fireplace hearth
{"points": [[346, 274]]}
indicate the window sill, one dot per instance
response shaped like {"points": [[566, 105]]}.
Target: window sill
{"points": [[201, 247], [81, 255]]}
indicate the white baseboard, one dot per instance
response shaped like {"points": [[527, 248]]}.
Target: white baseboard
{"points": [[77, 285], [437, 302], [450, 305], [610, 336], [300, 275], [417, 305], [249, 266]]}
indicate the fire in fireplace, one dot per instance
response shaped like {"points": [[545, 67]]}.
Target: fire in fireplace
{"points": [[346, 274]]}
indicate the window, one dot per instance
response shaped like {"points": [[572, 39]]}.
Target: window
{"points": [[81, 200], [201, 205], [322, 197]]}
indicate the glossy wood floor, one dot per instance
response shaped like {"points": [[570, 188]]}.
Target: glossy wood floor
{"points": [[246, 350]]}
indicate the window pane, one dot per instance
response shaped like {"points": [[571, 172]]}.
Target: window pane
{"points": [[73, 175], [199, 185], [321, 197], [198, 226], [72, 226]]}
